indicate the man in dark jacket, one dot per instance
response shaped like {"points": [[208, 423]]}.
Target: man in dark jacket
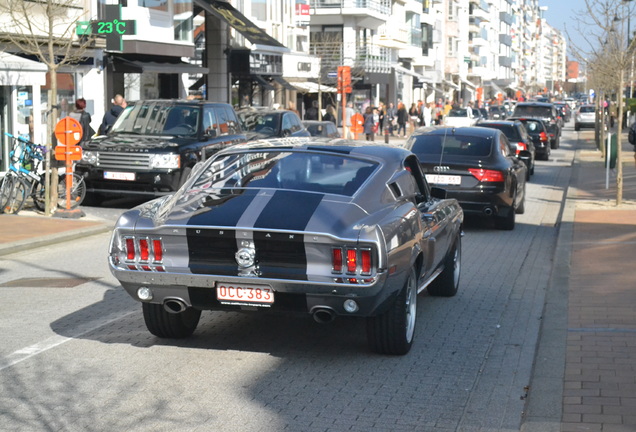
{"points": [[119, 103]]}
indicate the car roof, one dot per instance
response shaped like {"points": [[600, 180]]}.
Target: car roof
{"points": [[449, 130], [538, 104], [178, 102], [499, 122], [328, 145]]}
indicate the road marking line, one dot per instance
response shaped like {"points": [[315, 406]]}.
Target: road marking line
{"points": [[54, 341]]}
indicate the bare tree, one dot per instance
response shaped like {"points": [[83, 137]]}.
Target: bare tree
{"points": [[46, 29], [603, 25]]}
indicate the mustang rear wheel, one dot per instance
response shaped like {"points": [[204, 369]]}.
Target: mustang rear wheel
{"points": [[446, 284], [170, 325], [392, 332]]}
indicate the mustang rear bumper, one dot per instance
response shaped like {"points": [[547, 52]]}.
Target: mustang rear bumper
{"points": [[199, 291]]}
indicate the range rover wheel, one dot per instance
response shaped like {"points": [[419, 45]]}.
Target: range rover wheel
{"points": [[164, 324], [392, 332], [447, 283]]}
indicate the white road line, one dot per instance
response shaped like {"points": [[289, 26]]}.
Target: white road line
{"points": [[54, 341]]}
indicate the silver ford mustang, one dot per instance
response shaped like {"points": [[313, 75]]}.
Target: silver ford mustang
{"points": [[327, 228]]}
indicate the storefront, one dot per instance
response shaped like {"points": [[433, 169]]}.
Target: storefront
{"points": [[20, 108]]}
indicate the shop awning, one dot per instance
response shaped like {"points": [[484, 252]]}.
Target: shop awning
{"points": [[262, 82], [406, 71], [16, 70], [228, 13], [159, 64], [282, 81], [495, 87], [451, 84], [311, 87], [468, 83]]}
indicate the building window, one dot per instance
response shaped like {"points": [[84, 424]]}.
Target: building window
{"points": [[158, 5], [451, 47], [427, 38], [259, 10], [183, 20]]}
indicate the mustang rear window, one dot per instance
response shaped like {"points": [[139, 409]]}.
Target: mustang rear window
{"points": [[452, 145], [304, 171]]}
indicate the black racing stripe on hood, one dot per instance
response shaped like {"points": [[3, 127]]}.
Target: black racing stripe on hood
{"points": [[224, 211], [289, 210]]}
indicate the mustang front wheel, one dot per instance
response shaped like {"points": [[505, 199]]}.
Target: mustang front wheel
{"points": [[164, 324], [392, 332]]}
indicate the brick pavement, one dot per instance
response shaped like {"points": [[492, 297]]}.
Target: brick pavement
{"points": [[585, 369]]}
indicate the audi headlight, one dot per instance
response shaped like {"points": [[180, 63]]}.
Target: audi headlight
{"points": [[166, 161], [89, 157]]}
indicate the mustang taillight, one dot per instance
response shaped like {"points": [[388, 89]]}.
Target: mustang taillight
{"points": [[337, 260], [144, 251], [356, 261], [352, 262], [486, 175]]}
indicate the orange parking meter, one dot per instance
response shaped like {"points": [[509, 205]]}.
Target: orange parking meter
{"points": [[68, 132]]}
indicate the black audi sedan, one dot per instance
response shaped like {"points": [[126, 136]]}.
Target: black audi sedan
{"points": [[516, 133], [475, 165]]}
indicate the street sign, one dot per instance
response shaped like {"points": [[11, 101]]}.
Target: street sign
{"points": [[68, 131], [344, 79], [113, 27], [332, 74], [63, 152]]}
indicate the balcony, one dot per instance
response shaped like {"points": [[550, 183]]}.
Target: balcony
{"points": [[369, 13], [505, 39], [506, 17], [367, 58], [505, 61]]}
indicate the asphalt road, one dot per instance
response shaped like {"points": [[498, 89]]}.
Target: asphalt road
{"points": [[75, 354]]}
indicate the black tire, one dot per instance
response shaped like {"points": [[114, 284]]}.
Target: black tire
{"points": [[164, 324], [447, 283], [392, 332], [78, 191], [577, 127], [16, 195], [5, 189], [92, 199], [507, 221], [521, 207]]}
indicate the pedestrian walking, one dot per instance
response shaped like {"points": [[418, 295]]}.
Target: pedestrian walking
{"points": [[84, 118], [391, 113], [413, 117], [349, 112], [402, 118], [369, 123], [312, 111], [119, 103]]}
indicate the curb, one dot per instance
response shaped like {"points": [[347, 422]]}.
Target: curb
{"points": [[31, 243], [544, 408]]}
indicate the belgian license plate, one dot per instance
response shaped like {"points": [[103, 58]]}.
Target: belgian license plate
{"points": [[443, 179], [114, 175], [254, 295]]}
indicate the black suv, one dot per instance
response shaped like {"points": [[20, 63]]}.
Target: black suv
{"points": [[153, 146], [546, 112]]}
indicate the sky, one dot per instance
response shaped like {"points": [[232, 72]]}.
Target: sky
{"points": [[562, 12]]}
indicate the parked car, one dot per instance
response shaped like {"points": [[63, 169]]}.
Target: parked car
{"points": [[516, 133], [546, 112], [538, 133], [366, 235], [585, 117], [325, 129], [477, 166], [459, 117], [259, 123], [497, 112], [153, 146]]}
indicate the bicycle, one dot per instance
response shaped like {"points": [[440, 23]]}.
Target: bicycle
{"points": [[25, 179]]}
